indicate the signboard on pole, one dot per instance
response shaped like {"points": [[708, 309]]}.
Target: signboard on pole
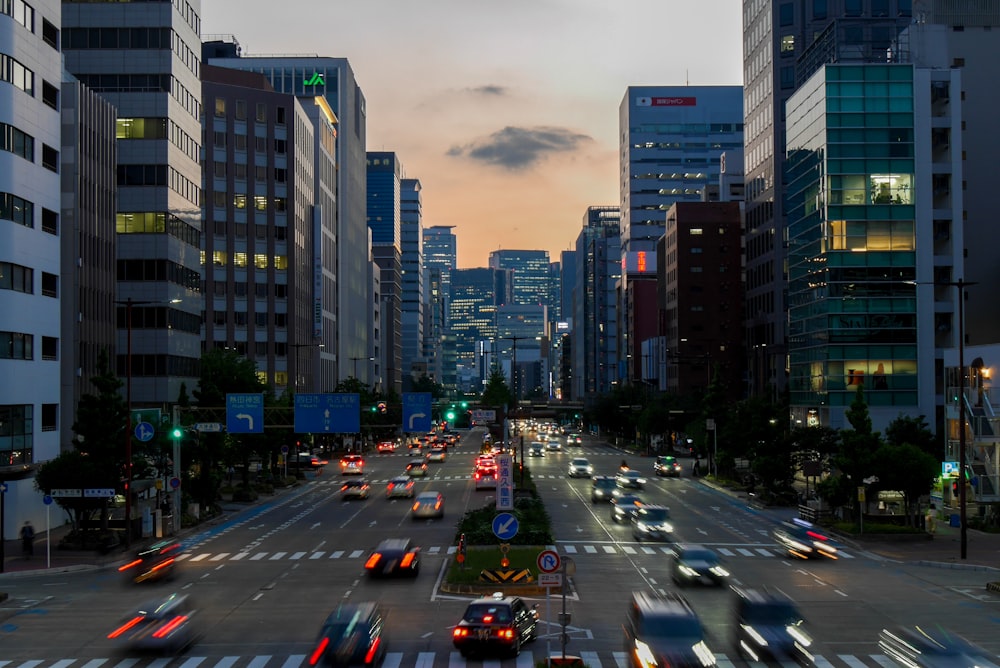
{"points": [[481, 415], [505, 483], [550, 579], [417, 411], [245, 413], [330, 413]]}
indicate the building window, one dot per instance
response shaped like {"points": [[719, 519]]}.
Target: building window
{"points": [[50, 95], [16, 431], [260, 144], [788, 43], [141, 128], [787, 77], [260, 173], [280, 146], [280, 175], [50, 348], [905, 7], [220, 107], [50, 221], [786, 14], [20, 11], [260, 202], [261, 112], [16, 346], [50, 417], [13, 72], [239, 201], [50, 158], [219, 139], [16, 209], [50, 34], [260, 319], [853, 7], [17, 278], [241, 142], [279, 115], [17, 142], [260, 348], [50, 284], [219, 169], [260, 260], [880, 7]]}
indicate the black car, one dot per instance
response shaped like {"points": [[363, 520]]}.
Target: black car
{"points": [[695, 564], [496, 624], [624, 508], [394, 557], [652, 523], [152, 564], [665, 465], [665, 631], [932, 647], [769, 627], [603, 488], [353, 635]]}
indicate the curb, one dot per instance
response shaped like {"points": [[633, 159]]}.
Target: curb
{"points": [[951, 565]]}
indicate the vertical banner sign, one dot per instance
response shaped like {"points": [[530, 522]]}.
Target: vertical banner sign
{"points": [[505, 483]]}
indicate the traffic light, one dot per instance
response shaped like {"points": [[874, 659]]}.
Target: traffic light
{"points": [[461, 544], [374, 409], [176, 433], [465, 404], [450, 414], [381, 407]]}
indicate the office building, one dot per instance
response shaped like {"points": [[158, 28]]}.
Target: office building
{"points": [[158, 98], [522, 348], [595, 304], [529, 274], [30, 245], [385, 173], [440, 252], [434, 318], [874, 222], [783, 43], [89, 176], [472, 317], [702, 300], [412, 277], [260, 278], [346, 276]]}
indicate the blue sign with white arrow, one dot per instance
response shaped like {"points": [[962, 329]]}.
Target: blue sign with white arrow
{"points": [[417, 411], [330, 413], [245, 413], [144, 432], [505, 526]]}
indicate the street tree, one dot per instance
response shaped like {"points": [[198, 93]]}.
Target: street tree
{"points": [[912, 430], [855, 457], [908, 469], [497, 392]]}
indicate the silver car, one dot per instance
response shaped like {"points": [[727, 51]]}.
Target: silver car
{"points": [[162, 625], [580, 467], [428, 505]]}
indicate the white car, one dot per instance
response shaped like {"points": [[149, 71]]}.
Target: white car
{"points": [[436, 455], [428, 505], [537, 449], [553, 445], [580, 467]]}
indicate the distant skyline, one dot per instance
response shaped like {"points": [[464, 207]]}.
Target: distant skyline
{"points": [[506, 112]]}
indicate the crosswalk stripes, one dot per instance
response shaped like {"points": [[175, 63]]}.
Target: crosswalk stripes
{"points": [[731, 552], [417, 659]]}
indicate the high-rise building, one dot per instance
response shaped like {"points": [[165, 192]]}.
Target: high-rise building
{"points": [[89, 176], [440, 252], [671, 140], [783, 43], [529, 274], [158, 98], [259, 232], [30, 240], [413, 294], [434, 332], [347, 285], [472, 317], [595, 305], [385, 173], [522, 348], [873, 223]]}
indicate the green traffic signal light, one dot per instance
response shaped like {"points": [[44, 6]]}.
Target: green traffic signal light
{"points": [[450, 415], [176, 433], [465, 404]]}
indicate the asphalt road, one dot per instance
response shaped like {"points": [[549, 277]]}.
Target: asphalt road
{"points": [[265, 580]]}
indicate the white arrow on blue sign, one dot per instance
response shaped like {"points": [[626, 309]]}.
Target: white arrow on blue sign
{"points": [[504, 526]]}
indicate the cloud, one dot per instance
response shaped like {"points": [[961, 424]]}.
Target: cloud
{"points": [[489, 89], [520, 148]]}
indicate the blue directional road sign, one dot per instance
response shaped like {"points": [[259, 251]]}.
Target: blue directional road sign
{"points": [[504, 526], [245, 413], [417, 411], [144, 432], [338, 413]]}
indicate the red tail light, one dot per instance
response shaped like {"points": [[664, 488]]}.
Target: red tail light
{"points": [[126, 626], [372, 561], [169, 627], [506, 634], [129, 565], [460, 632], [163, 564], [370, 656], [817, 536], [407, 560], [487, 619], [319, 651]]}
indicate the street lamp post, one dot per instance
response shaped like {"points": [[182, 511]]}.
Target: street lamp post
{"points": [[358, 359]]}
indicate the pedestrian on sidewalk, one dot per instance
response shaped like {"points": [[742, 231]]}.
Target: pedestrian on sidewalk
{"points": [[27, 540], [930, 522], [696, 468]]}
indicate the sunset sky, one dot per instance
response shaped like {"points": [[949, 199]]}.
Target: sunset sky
{"points": [[506, 110]]}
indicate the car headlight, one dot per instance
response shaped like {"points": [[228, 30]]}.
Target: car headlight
{"points": [[719, 571], [705, 655], [642, 526], [688, 571], [754, 635], [644, 654], [801, 638]]}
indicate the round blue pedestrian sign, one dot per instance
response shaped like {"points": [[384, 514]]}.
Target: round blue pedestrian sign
{"points": [[284, 449], [47, 500], [175, 483]]}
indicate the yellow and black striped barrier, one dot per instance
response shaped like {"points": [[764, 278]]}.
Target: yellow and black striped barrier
{"points": [[506, 575]]}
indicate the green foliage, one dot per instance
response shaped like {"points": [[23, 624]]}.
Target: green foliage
{"points": [[426, 384], [496, 392], [855, 458], [533, 520], [907, 469], [479, 558], [915, 431]]}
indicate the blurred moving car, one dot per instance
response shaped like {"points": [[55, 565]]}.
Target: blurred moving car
{"points": [[436, 455], [352, 465], [804, 540], [536, 449], [428, 505], [920, 647], [485, 462], [769, 627], [665, 631], [352, 635], [394, 557], [161, 625], [553, 445], [580, 467], [485, 479], [630, 479], [386, 446], [354, 489], [304, 460], [574, 439], [154, 563], [652, 523], [416, 468], [602, 488], [399, 487], [666, 465], [624, 507], [495, 624], [696, 564]]}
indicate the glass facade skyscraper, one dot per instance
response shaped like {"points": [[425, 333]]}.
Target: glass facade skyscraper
{"points": [[529, 274], [412, 276]]}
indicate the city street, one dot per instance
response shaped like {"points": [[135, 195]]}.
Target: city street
{"points": [[264, 579]]}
